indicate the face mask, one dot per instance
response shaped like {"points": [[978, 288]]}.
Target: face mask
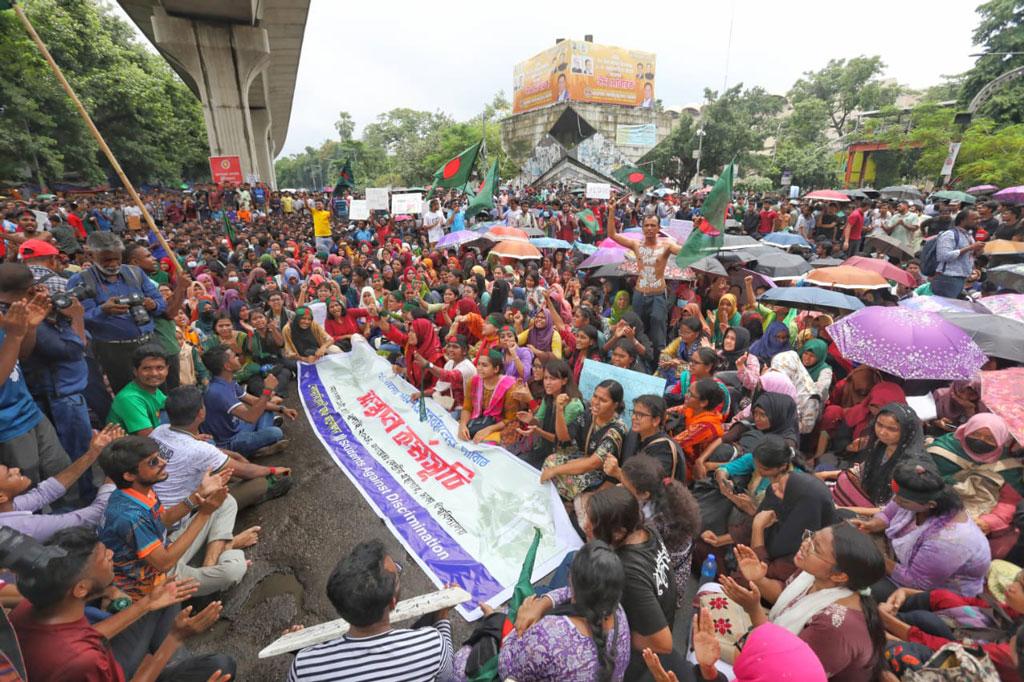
{"points": [[978, 446], [232, 279], [192, 264]]}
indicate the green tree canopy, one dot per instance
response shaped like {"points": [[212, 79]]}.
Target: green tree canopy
{"points": [[845, 86], [1001, 30]]}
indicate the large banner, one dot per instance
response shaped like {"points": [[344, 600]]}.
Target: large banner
{"points": [[584, 72], [465, 512], [226, 169]]}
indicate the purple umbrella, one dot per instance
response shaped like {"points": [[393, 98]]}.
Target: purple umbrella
{"points": [[603, 256], [981, 189], [910, 344], [938, 304], [1014, 195], [453, 239]]}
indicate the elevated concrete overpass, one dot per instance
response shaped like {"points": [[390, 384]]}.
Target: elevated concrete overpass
{"points": [[240, 58]]}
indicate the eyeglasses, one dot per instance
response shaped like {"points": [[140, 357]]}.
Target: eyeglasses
{"points": [[398, 566], [642, 414], [808, 537]]}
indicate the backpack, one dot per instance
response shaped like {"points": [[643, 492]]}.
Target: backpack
{"points": [[955, 662], [930, 256], [978, 485]]}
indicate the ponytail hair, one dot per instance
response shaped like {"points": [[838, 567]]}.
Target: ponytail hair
{"points": [[676, 513], [597, 579], [859, 558]]}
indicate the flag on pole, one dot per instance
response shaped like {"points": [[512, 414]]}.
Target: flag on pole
{"points": [[634, 178], [484, 199], [345, 178], [456, 171], [706, 237], [588, 222], [229, 229]]}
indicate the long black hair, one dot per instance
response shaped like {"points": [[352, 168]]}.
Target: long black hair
{"points": [[499, 297], [613, 514], [615, 392], [676, 513], [859, 558], [597, 579], [917, 476]]}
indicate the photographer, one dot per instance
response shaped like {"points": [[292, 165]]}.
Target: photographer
{"points": [[120, 313], [43, 259], [164, 329]]}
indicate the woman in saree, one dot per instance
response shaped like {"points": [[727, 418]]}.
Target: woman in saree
{"points": [[489, 403]]}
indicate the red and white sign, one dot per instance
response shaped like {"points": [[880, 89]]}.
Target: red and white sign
{"points": [[226, 169]]}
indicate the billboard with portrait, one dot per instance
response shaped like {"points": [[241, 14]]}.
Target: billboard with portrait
{"points": [[584, 72]]}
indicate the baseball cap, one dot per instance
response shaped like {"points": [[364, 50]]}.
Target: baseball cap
{"points": [[36, 248]]}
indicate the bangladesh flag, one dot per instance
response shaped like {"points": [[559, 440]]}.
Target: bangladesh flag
{"points": [[706, 237], [456, 172], [634, 178], [588, 222], [346, 178], [484, 199], [229, 229]]}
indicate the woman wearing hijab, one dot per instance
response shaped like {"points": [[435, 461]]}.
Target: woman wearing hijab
{"points": [[957, 403], [845, 427], [975, 461], [774, 341], [808, 402], [542, 339], [499, 297], [305, 340], [735, 344], [620, 306], [726, 315], [814, 355], [420, 343]]}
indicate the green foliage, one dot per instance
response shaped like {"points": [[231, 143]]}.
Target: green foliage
{"points": [[1001, 30], [843, 87], [149, 118]]}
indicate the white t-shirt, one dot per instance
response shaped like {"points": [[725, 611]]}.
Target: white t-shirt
{"points": [[188, 458], [433, 221]]}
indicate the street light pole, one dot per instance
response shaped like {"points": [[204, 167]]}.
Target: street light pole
{"points": [[700, 149]]}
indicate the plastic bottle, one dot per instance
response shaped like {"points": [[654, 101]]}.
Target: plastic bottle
{"points": [[709, 570]]}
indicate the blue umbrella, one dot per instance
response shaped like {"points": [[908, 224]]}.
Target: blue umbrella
{"points": [[810, 298], [550, 243], [785, 239], [587, 249]]}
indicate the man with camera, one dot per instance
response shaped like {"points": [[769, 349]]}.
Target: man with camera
{"points": [[119, 315], [43, 259]]}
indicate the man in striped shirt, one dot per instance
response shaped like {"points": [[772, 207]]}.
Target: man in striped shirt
{"points": [[364, 589]]}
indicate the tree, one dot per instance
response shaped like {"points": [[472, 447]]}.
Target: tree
{"points": [[844, 87], [1001, 30], [345, 126], [147, 115]]}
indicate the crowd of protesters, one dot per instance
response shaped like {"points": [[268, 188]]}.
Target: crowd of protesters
{"points": [[849, 538]]}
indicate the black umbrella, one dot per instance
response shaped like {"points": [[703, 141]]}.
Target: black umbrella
{"points": [[781, 265], [998, 336], [737, 241], [890, 246], [1007, 276], [710, 265], [827, 262], [901, 192]]}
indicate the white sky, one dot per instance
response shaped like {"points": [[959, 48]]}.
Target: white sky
{"points": [[369, 57]]}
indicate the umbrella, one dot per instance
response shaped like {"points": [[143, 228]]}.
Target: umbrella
{"points": [[901, 192], [884, 268], [781, 265], [890, 246], [737, 241], [810, 298], [502, 233], [709, 265], [827, 195], [1005, 305], [518, 250], [785, 240], [846, 277], [678, 232], [982, 189], [1003, 393], [941, 304], [662, 191], [609, 270], [826, 262], [1001, 247], [549, 243], [587, 249], [533, 232], [1014, 195], [953, 195], [910, 344], [998, 336], [603, 257], [1007, 276], [855, 193], [453, 239], [760, 280]]}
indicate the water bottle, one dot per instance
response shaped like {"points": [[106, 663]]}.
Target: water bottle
{"points": [[709, 570]]}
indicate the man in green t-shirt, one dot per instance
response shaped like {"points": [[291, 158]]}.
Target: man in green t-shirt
{"points": [[138, 407]]}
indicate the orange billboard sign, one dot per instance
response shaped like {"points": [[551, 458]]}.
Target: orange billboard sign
{"points": [[584, 72]]}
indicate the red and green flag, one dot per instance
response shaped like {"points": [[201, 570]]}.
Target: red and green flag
{"points": [[588, 222], [484, 199], [634, 178], [455, 172], [346, 178], [229, 229], [709, 227]]}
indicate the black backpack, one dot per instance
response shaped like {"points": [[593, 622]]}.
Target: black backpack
{"points": [[930, 256]]}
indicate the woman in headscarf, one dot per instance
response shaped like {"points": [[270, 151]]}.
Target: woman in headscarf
{"points": [[420, 342], [542, 339], [206, 315], [468, 321], [675, 356], [847, 428], [726, 315], [974, 459], [814, 355], [752, 321], [957, 403], [254, 286], [489, 336], [735, 344], [774, 341], [808, 402], [305, 340], [853, 389], [620, 306]]}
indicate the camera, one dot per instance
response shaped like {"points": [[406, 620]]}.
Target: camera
{"points": [[64, 299], [24, 555], [136, 309]]}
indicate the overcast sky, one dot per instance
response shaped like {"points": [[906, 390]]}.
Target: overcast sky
{"points": [[370, 57]]}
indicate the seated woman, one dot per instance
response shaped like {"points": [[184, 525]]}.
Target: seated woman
{"points": [[702, 407], [774, 341], [342, 322], [588, 347], [988, 479], [726, 315], [894, 437], [808, 401], [669, 507], [305, 340], [518, 361], [631, 328], [843, 422], [624, 355], [613, 516], [824, 603], [542, 339], [676, 355], [540, 425], [596, 434], [935, 542], [701, 366], [224, 334], [489, 404], [735, 345], [956, 403], [814, 355]]}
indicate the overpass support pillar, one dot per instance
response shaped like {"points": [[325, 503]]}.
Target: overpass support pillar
{"points": [[264, 146]]}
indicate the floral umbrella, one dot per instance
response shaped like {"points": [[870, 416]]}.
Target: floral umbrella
{"points": [[910, 344], [1006, 305], [1003, 393]]}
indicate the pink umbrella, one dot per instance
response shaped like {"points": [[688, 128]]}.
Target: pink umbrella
{"points": [[883, 268], [1003, 393], [982, 189], [1006, 305], [1014, 195], [604, 256], [827, 195]]}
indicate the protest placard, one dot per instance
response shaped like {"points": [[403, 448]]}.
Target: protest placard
{"points": [[377, 198], [633, 383], [598, 190], [407, 203], [359, 210]]}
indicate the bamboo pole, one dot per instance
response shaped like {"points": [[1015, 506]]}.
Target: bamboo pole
{"points": [[92, 129]]}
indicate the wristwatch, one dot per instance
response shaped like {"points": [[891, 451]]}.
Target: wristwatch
{"points": [[192, 506]]}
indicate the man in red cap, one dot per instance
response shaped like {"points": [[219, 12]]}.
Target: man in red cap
{"points": [[43, 259]]}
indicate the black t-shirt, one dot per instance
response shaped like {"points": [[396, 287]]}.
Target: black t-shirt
{"points": [[660, 446], [649, 596]]}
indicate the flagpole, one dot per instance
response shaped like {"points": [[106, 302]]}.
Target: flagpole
{"points": [[92, 129]]}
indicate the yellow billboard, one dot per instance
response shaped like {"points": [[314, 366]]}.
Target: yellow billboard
{"points": [[584, 72]]}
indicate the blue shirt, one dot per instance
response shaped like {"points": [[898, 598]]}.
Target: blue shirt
{"points": [[18, 412], [103, 327], [222, 397], [132, 529], [459, 223], [57, 364], [947, 252]]}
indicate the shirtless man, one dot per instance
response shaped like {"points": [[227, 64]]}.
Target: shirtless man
{"points": [[650, 294]]}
